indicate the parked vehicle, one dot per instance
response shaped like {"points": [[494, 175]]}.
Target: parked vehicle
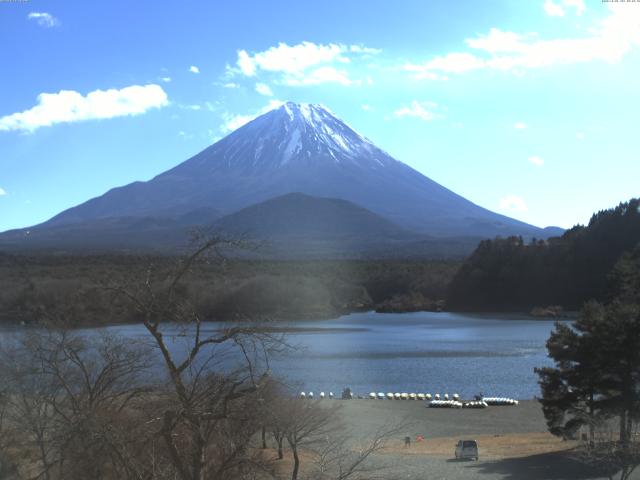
{"points": [[467, 449]]}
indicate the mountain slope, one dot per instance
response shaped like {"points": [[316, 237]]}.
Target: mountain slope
{"points": [[299, 148], [296, 215]]}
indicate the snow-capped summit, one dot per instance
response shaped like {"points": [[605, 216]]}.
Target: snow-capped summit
{"points": [[297, 133], [298, 148]]}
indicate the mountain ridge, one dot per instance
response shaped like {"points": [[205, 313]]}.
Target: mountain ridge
{"points": [[298, 148]]}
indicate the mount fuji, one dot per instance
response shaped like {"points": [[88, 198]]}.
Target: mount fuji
{"points": [[296, 148]]}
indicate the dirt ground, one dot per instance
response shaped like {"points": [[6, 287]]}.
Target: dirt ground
{"points": [[513, 442]]}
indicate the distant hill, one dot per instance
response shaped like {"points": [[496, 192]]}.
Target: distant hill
{"points": [[296, 215], [511, 274], [299, 225]]}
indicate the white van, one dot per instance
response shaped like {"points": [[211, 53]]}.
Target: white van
{"points": [[467, 449]]}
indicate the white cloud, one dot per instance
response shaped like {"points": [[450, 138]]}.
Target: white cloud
{"points": [[450, 63], [577, 4], [497, 41], [558, 10], [366, 50], [580, 136], [231, 85], [289, 59], [553, 9], [44, 19], [233, 122], [321, 75], [70, 106], [366, 108], [519, 125], [3, 192], [194, 69], [165, 79], [512, 203], [306, 63], [609, 41], [422, 110], [536, 160], [264, 89]]}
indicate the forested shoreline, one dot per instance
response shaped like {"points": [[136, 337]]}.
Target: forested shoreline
{"points": [[221, 289], [509, 274]]}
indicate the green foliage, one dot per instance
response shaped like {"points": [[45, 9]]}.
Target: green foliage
{"points": [[597, 363], [508, 274]]}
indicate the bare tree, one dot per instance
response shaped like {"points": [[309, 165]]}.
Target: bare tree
{"points": [[203, 421], [343, 457], [67, 396], [605, 453], [307, 423]]}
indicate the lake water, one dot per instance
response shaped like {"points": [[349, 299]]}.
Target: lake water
{"points": [[421, 352], [413, 352]]}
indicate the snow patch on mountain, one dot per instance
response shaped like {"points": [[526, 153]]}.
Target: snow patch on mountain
{"points": [[300, 134]]}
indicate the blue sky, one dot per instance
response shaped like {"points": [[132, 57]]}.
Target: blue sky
{"points": [[530, 109]]}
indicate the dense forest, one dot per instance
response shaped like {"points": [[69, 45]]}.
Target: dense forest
{"points": [[509, 274], [220, 289]]}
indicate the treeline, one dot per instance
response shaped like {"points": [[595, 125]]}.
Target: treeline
{"points": [[220, 289], [510, 274]]}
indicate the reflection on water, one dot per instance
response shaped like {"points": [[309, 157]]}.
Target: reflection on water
{"points": [[411, 352]]}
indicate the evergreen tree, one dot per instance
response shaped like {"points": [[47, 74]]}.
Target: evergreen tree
{"points": [[596, 378]]}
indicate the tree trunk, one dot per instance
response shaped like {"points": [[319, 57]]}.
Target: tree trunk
{"points": [[280, 454], [296, 464], [623, 429], [264, 438], [591, 414]]}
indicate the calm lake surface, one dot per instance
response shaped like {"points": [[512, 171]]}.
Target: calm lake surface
{"points": [[412, 352]]}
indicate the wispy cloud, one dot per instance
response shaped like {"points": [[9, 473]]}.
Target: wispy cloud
{"points": [[194, 69], [264, 89], [609, 40], [519, 125], [233, 122], [68, 106], [422, 110], [580, 136], [512, 203], [3, 192], [554, 9], [536, 160], [44, 19], [306, 63], [321, 75], [165, 79]]}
